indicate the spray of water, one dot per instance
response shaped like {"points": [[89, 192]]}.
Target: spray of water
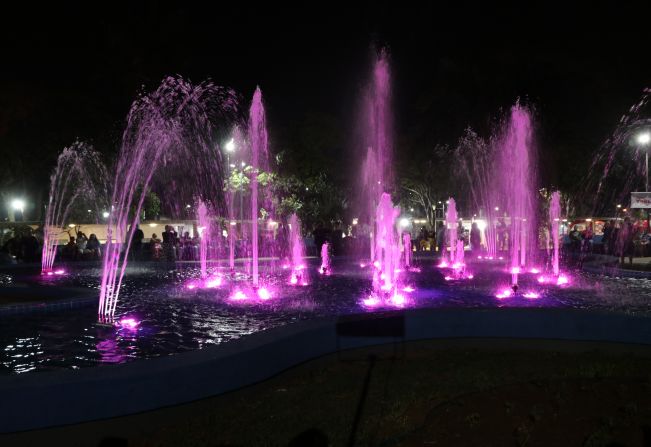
{"points": [[168, 131]]}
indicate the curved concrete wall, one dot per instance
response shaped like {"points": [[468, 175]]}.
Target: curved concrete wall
{"points": [[42, 400]]}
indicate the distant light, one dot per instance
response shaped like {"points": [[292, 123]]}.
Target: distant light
{"points": [[243, 164], [625, 210], [263, 293], [497, 208], [152, 225], [128, 323], [105, 214], [232, 166], [230, 145], [307, 189], [90, 211], [188, 206], [71, 225], [619, 206], [404, 222], [238, 296], [481, 224], [18, 205], [644, 138], [411, 209], [588, 220], [355, 220]]}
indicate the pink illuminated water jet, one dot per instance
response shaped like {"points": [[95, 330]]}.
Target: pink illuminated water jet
{"points": [[168, 132]]}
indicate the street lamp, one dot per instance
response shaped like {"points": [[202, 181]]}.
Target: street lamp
{"points": [[230, 145], [18, 205], [643, 139]]}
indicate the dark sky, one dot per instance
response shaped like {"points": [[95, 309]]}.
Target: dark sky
{"points": [[71, 70]]}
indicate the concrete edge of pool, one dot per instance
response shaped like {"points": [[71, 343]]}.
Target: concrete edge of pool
{"points": [[41, 400]]}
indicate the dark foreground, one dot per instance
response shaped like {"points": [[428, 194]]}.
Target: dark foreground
{"points": [[455, 392]]}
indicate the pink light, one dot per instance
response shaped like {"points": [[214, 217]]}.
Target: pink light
{"points": [[293, 279], [448, 278], [50, 273], [191, 286], [491, 258], [304, 283], [362, 265], [285, 266], [443, 264], [415, 269], [239, 296], [470, 276], [398, 300], [504, 294], [128, 323], [387, 286], [515, 270], [408, 289], [480, 257], [263, 293], [382, 276], [500, 258], [457, 265], [214, 282], [531, 295], [562, 280], [59, 272], [371, 301], [535, 271], [376, 264]]}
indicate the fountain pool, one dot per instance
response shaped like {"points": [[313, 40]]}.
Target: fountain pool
{"points": [[174, 319]]}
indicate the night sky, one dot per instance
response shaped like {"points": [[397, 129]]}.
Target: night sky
{"points": [[71, 70]]}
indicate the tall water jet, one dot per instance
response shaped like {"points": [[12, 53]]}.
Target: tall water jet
{"points": [[387, 246], [259, 152], [452, 226], [477, 158], [78, 182], [406, 247], [517, 172], [232, 225], [554, 218], [168, 130], [377, 175], [297, 251], [325, 268], [204, 229]]}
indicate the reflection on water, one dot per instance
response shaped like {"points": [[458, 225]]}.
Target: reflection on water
{"points": [[175, 319]]}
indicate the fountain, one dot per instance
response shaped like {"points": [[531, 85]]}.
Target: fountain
{"points": [[377, 175], [554, 217], [297, 250], [452, 236], [518, 184], [204, 233], [406, 247], [387, 249], [78, 182], [325, 268], [169, 130], [258, 140]]}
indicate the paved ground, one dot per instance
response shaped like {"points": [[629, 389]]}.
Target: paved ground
{"points": [[454, 392]]}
